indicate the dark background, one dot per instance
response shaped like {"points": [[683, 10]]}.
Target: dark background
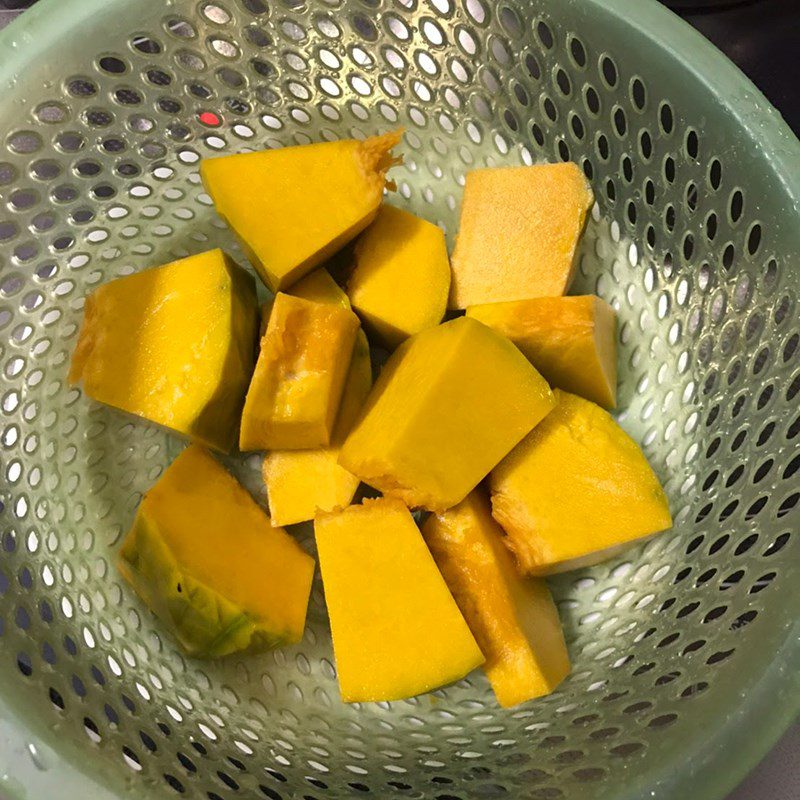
{"points": [[762, 37]]}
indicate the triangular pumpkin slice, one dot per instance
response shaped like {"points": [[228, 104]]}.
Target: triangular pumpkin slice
{"points": [[294, 207], [205, 559], [397, 631], [173, 344], [575, 491], [513, 617], [401, 275], [450, 403], [319, 287]]}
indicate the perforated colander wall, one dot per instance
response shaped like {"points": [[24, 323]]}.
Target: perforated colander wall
{"points": [[694, 240]]}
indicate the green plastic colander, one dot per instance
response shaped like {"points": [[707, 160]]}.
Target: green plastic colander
{"points": [[686, 650]]}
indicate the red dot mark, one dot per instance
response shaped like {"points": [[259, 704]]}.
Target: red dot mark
{"points": [[209, 118]]}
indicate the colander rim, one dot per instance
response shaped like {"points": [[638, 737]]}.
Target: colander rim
{"points": [[746, 734]]}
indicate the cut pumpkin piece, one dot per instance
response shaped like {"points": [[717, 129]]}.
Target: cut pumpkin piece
{"points": [[319, 287], [575, 491], [401, 275], [204, 558], [174, 344], [302, 482], [570, 340], [397, 632], [297, 386], [513, 618], [295, 206], [450, 403], [518, 233]]}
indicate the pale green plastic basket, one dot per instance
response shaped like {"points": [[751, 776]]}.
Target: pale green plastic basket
{"points": [[685, 649]]}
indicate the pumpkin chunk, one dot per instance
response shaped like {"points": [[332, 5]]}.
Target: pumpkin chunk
{"points": [[297, 386], [320, 287], [205, 559], [513, 618], [449, 404], [570, 340], [301, 482], [575, 491], [401, 278], [294, 207], [518, 233], [174, 344], [397, 631]]}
